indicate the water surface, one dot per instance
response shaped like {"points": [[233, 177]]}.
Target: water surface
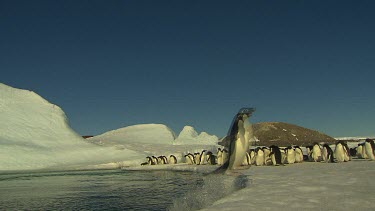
{"points": [[95, 190]]}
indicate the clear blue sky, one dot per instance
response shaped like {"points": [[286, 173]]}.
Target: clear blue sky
{"points": [[111, 64]]}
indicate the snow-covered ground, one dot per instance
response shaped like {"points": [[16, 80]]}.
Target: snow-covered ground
{"points": [[305, 186]]}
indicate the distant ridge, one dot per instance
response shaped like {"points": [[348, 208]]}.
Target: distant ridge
{"points": [[281, 133], [285, 134]]}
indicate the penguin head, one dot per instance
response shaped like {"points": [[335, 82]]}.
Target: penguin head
{"points": [[369, 140]]}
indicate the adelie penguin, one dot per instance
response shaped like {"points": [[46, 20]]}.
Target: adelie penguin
{"points": [[359, 153], [275, 155], [370, 147], [299, 154], [259, 156], [219, 157], [340, 151], [239, 135], [327, 153], [316, 153], [202, 158], [290, 155], [211, 158], [189, 158], [172, 159], [347, 152]]}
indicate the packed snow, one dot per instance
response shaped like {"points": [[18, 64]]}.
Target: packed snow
{"points": [[188, 136], [305, 186]]}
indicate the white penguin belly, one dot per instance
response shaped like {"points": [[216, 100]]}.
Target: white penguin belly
{"points": [[339, 153], [369, 151]]}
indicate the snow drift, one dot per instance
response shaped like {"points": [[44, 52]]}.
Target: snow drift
{"points": [[35, 134], [188, 136], [143, 133]]}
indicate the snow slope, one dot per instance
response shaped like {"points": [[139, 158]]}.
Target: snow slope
{"points": [[35, 134], [156, 140], [143, 133], [188, 136], [306, 186]]}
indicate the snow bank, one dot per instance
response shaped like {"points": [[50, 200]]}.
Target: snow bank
{"points": [[305, 186], [188, 136], [142, 133], [35, 134]]}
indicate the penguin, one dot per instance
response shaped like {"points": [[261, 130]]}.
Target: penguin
{"points": [[327, 154], [347, 152], [359, 153], [150, 161], [369, 148], [364, 154], [275, 155], [162, 159], [316, 153], [259, 157], [309, 150], [189, 158], [252, 156], [172, 159], [267, 159], [219, 157], [197, 157], [155, 160], [353, 152], [239, 135], [283, 156], [290, 155], [211, 158], [246, 161], [146, 163], [299, 154], [202, 157], [340, 152]]}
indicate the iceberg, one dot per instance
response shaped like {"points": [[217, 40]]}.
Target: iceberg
{"points": [[35, 134]]}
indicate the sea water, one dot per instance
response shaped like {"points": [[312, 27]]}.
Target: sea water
{"points": [[109, 190]]}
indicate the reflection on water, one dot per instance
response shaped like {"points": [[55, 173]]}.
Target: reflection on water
{"points": [[113, 190], [95, 190]]}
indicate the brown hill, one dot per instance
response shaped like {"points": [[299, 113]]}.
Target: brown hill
{"points": [[284, 134]]}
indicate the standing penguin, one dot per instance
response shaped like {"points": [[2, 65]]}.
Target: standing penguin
{"points": [[316, 153], [359, 153], [309, 150], [172, 159], [267, 158], [239, 134], [197, 157], [259, 157], [275, 155], [347, 152], [370, 147], [219, 157], [327, 154], [290, 155], [299, 154], [211, 158], [202, 157], [340, 152], [189, 159], [246, 161], [252, 156]]}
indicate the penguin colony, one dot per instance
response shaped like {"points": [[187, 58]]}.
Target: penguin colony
{"points": [[160, 160], [274, 155]]}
